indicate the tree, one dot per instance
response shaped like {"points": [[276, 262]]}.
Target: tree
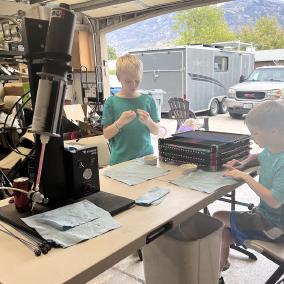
{"points": [[202, 25], [266, 34], [111, 52]]}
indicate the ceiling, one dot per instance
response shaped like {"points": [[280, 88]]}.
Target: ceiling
{"points": [[107, 8]]}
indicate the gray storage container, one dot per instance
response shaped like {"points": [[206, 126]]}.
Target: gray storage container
{"points": [[188, 254], [157, 95]]}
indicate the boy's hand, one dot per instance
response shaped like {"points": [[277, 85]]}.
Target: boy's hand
{"points": [[233, 164], [126, 117], [144, 116], [236, 174]]}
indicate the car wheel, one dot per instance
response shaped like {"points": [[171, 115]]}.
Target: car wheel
{"points": [[235, 115], [214, 108], [223, 107]]}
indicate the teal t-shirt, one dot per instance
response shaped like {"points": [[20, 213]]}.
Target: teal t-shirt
{"points": [[272, 177], [134, 138]]}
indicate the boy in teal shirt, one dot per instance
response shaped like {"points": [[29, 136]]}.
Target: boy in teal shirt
{"points": [[266, 221], [129, 117]]}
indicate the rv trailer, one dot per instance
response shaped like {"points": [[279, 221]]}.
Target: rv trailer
{"points": [[198, 73]]}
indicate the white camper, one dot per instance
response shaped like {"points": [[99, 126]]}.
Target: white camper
{"points": [[200, 74]]}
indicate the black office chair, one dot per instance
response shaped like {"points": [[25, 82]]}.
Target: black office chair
{"points": [[179, 108]]}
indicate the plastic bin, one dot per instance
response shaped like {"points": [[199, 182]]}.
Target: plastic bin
{"points": [[188, 254], [157, 95], [114, 90]]}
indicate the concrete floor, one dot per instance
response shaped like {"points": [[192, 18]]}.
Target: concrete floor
{"points": [[242, 270]]}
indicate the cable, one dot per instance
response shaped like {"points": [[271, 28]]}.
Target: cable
{"points": [[4, 128], [98, 69], [11, 109], [34, 247], [6, 119]]}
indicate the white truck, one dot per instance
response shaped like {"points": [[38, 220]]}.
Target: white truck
{"points": [[198, 73], [265, 83]]}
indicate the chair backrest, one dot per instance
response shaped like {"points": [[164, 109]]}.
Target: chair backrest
{"points": [[274, 252], [180, 110]]}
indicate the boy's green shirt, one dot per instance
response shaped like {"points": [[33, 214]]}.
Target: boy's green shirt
{"points": [[134, 139], [272, 177]]}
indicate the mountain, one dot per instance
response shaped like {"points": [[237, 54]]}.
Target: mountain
{"points": [[157, 32]]}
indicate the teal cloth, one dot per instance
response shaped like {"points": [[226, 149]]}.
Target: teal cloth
{"points": [[134, 139], [152, 197], [133, 173], [204, 181], [271, 176], [71, 224]]}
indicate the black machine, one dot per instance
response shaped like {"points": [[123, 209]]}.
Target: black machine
{"points": [[61, 175], [208, 149], [82, 171]]}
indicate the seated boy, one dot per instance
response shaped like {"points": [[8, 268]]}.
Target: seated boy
{"points": [[266, 221]]}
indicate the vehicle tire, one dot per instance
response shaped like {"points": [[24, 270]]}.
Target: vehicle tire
{"points": [[222, 107], [214, 108], [235, 115]]}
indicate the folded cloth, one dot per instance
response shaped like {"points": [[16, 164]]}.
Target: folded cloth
{"points": [[134, 173], [152, 196], [157, 202], [62, 227], [72, 215], [204, 181]]}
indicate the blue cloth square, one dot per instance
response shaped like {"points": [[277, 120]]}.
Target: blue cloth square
{"points": [[71, 224]]}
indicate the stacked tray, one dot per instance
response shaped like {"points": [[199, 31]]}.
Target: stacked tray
{"points": [[208, 149]]}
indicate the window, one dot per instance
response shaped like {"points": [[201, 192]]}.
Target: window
{"points": [[221, 63]]}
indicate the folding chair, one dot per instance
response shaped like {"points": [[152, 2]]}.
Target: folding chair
{"points": [[274, 252], [180, 110]]}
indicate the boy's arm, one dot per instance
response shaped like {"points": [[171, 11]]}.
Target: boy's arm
{"points": [[153, 127], [146, 119], [264, 193], [250, 161]]}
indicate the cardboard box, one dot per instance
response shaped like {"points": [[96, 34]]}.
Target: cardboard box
{"points": [[14, 89]]}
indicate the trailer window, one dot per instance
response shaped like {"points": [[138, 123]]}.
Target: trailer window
{"points": [[221, 63]]}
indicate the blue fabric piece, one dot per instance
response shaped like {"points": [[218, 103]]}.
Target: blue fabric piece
{"points": [[240, 236], [204, 181], [134, 173], [157, 202], [62, 226], [153, 195], [72, 215]]}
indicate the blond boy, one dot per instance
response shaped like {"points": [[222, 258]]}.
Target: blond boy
{"points": [[129, 116]]}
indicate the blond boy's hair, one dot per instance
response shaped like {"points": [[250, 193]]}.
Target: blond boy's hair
{"points": [[129, 63], [266, 116]]}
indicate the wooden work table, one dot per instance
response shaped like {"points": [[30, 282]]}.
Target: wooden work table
{"points": [[82, 262]]}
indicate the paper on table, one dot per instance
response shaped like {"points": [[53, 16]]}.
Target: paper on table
{"points": [[134, 173], [204, 181], [62, 226]]}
